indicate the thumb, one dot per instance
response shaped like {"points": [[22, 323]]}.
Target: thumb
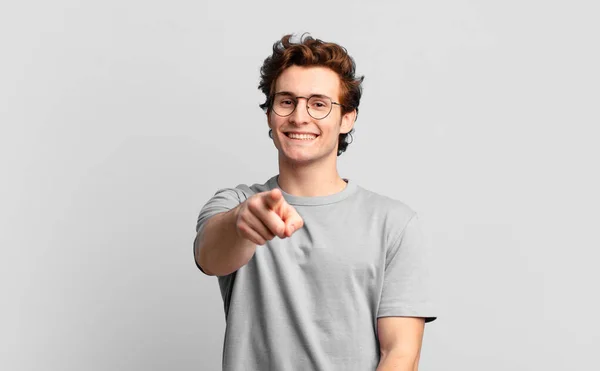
{"points": [[293, 222]]}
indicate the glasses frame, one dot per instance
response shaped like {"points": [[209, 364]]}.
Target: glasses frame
{"points": [[295, 99]]}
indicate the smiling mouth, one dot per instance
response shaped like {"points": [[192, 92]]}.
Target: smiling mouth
{"points": [[306, 137]]}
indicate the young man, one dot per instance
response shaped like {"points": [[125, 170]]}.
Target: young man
{"points": [[316, 272]]}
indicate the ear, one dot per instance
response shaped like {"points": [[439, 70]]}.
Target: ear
{"points": [[348, 122]]}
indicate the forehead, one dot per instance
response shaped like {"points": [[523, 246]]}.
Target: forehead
{"points": [[305, 81]]}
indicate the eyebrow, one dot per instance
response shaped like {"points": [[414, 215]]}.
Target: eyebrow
{"points": [[293, 95]]}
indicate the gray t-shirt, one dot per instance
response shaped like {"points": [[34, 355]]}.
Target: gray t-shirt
{"points": [[311, 301]]}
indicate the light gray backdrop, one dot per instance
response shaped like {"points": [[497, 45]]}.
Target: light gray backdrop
{"points": [[120, 119]]}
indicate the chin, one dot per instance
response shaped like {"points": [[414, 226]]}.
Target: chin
{"points": [[299, 160], [296, 156], [302, 158]]}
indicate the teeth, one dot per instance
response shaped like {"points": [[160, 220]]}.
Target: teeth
{"points": [[301, 136]]}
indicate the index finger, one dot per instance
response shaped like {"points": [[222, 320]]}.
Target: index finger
{"points": [[274, 199]]}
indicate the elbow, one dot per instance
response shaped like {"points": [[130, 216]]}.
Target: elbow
{"points": [[394, 361], [397, 358], [200, 257], [203, 268]]}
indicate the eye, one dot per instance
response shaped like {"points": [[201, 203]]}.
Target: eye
{"points": [[286, 102], [318, 104]]}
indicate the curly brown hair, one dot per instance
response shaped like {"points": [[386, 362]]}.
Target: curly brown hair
{"points": [[313, 52]]}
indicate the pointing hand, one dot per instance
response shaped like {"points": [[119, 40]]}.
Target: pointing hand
{"points": [[266, 215]]}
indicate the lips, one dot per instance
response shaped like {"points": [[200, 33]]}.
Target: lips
{"points": [[300, 132], [301, 136]]}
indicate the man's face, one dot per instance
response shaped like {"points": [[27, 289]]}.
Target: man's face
{"points": [[305, 82]]}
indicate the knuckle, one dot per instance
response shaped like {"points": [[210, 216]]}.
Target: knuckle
{"points": [[273, 231], [253, 204], [242, 227], [242, 214], [275, 228], [281, 230]]}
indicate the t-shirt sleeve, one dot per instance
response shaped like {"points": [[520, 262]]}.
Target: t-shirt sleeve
{"points": [[407, 290], [224, 200]]}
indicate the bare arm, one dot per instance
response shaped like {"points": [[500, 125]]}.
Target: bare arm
{"points": [[219, 249], [400, 340], [228, 240]]}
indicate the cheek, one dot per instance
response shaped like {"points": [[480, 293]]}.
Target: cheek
{"points": [[333, 128], [275, 121]]}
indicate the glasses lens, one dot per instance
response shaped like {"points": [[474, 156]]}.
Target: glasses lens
{"points": [[319, 107], [283, 105]]}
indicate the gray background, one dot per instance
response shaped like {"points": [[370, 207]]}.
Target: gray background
{"points": [[119, 119]]}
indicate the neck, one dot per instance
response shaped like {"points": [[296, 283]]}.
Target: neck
{"points": [[310, 180]]}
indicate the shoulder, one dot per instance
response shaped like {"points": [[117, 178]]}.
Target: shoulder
{"points": [[392, 214], [385, 205], [243, 191], [225, 199]]}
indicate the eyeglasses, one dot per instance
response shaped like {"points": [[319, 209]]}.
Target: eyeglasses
{"points": [[318, 106]]}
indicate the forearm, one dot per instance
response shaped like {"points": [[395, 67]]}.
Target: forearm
{"points": [[219, 249]]}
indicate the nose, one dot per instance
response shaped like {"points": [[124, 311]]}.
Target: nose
{"points": [[300, 114]]}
